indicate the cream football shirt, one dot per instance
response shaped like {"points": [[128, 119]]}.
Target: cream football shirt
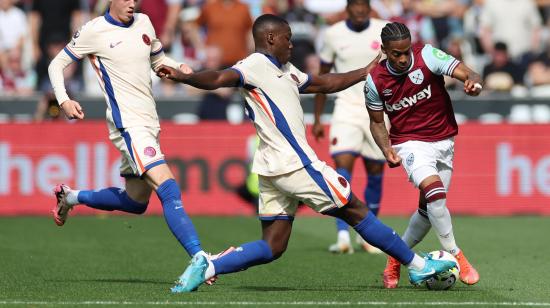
{"points": [[122, 56], [349, 50], [272, 95]]}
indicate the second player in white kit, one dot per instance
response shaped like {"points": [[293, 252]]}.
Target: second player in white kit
{"points": [[348, 45]]}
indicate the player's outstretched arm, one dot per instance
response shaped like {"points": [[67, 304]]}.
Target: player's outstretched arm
{"points": [[317, 129], [472, 80], [330, 83], [381, 137], [206, 80]]}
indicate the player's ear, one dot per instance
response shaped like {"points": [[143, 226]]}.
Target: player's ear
{"points": [[383, 49], [270, 38]]}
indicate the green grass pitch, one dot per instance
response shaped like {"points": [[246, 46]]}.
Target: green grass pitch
{"points": [[133, 261]]}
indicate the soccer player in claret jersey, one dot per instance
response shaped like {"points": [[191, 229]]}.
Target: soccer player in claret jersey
{"points": [[347, 45], [289, 172], [122, 48], [409, 88]]}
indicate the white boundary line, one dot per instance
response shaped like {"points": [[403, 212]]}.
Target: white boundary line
{"points": [[304, 303]]}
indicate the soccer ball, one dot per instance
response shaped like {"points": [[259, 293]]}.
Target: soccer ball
{"points": [[446, 280]]}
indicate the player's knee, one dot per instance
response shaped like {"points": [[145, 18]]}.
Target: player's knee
{"points": [[435, 191]]}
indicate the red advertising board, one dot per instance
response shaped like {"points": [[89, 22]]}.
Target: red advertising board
{"points": [[499, 169]]}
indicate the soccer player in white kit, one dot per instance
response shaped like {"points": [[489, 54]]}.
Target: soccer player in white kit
{"points": [[409, 88], [123, 48], [289, 171], [348, 45]]}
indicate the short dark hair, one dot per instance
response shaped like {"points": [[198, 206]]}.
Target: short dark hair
{"points": [[394, 31], [350, 2], [501, 46], [265, 21]]}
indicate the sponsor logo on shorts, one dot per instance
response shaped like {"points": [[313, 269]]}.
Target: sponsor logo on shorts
{"points": [[343, 181], [150, 151], [410, 159], [146, 39]]}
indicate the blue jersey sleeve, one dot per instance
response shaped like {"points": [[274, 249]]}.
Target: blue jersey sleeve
{"points": [[372, 99], [438, 61]]}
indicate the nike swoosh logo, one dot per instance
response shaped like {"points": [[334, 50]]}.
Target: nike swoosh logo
{"points": [[428, 273], [279, 76], [113, 45], [178, 207]]}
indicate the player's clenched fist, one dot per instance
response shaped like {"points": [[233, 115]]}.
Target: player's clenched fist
{"points": [[393, 159], [72, 110], [472, 88]]}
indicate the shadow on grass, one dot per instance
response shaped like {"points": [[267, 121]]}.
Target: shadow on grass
{"points": [[114, 280]]}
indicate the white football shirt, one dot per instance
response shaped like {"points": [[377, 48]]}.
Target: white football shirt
{"points": [[122, 56], [272, 94], [349, 50]]}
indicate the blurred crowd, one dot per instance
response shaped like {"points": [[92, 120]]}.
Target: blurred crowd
{"points": [[508, 41]]}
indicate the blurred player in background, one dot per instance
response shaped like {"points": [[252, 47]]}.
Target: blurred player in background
{"points": [[347, 45], [122, 47], [288, 170], [409, 88]]}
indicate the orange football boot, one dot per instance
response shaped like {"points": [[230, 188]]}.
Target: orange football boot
{"points": [[392, 273], [468, 273]]}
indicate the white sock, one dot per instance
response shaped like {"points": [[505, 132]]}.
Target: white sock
{"points": [[417, 263], [416, 230], [440, 218], [210, 271], [72, 197], [343, 236]]}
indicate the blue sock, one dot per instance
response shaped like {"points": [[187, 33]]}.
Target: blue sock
{"points": [[383, 237], [111, 199], [340, 224], [176, 218], [373, 193], [249, 254]]}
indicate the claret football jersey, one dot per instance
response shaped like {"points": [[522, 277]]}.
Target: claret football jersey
{"points": [[416, 101]]}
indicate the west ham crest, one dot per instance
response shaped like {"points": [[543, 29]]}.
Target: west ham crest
{"points": [[416, 76]]}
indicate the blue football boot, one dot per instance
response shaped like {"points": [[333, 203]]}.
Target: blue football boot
{"points": [[431, 269], [193, 276]]}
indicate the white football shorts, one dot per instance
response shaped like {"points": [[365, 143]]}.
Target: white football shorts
{"points": [[350, 132], [140, 149], [422, 159], [316, 185]]}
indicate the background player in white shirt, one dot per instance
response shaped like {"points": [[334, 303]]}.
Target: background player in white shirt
{"points": [[409, 87], [289, 171], [347, 45], [122, 47]]}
